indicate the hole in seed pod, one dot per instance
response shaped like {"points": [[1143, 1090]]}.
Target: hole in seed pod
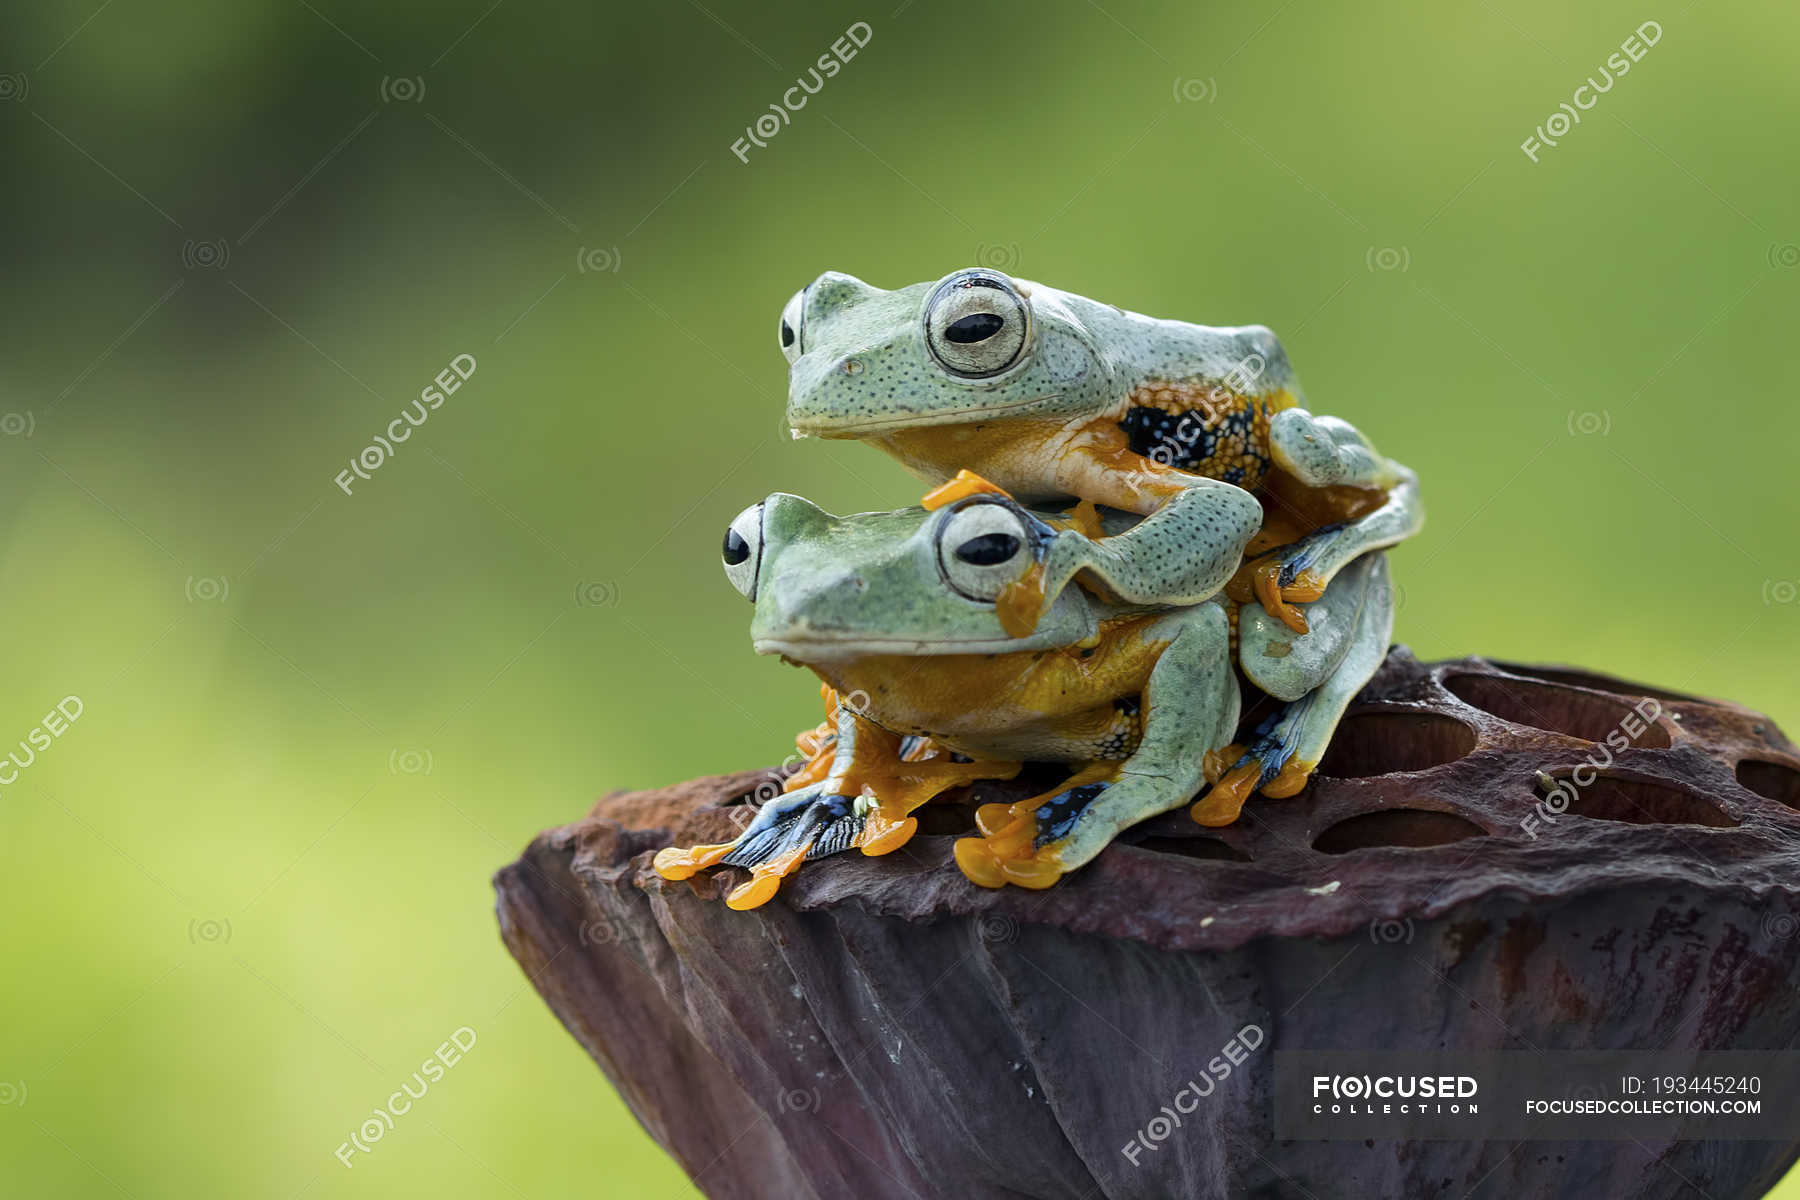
{"points": [[1380, 743], [1205, 848], [1600, 683], [1410, 828], [1772, 780], [1558, 709], [946, 820], [1635, 802]]}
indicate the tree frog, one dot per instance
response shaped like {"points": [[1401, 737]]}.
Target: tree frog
{"points": [[900, 610], [1046, 393]]}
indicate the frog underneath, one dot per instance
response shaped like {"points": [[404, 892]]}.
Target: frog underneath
{"points": [[900, 611]]}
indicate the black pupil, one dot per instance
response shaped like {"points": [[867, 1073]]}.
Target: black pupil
{"points": [[975, 327], [737, 549], [787, 334], [989, 549]]}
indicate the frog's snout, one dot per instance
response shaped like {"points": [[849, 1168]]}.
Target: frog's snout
{"points": [[813, 621]]}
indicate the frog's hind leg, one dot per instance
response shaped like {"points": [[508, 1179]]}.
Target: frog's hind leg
{"points": [[1300, 572], [1287, 665], [1287, 747], [1190, 708]]}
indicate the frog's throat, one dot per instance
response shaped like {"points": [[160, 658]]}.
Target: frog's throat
{"points": [[826, 426]]}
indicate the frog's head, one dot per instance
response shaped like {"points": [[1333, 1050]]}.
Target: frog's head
{"points": [[911, 582], [974, 344]]}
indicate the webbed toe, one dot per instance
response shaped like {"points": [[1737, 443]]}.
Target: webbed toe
{"points": [[1022, 843], [1267, 765]]}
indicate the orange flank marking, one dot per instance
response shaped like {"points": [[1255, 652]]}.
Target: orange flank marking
{"points": [[965, 484], [1208, 431]]}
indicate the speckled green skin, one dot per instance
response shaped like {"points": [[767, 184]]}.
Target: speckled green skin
{"points": [[828, 588], [868, 363], [1081, 359]]}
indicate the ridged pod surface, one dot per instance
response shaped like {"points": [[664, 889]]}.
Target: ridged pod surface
{"points": [[1491, 857]]}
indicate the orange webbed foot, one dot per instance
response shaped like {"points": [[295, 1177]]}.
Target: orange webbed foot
{"points": [[1237, 772], [965, 484], [1022, 843]]}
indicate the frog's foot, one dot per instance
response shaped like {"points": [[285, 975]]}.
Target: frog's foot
{"points": [[891, 777], [1289, 744], [1285, 577], [966, 483], [1023, 843], [823, 819], [1298, 572], [786, 832], [888, 823], [1267, 765]]}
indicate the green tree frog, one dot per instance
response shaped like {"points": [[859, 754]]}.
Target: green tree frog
{"points": [[901, 611], [1046, 394]]}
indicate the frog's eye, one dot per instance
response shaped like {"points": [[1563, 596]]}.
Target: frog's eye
{"points": [[977, 323], [982, 547], [790, 327], [743, 550]]}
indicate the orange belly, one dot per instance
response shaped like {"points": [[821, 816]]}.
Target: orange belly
{"points": [[980, 704]]}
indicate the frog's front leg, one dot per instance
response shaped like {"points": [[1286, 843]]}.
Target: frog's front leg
{"points": [[1287, 747], [1181, 554], [1191, 708], [1191, 540]]}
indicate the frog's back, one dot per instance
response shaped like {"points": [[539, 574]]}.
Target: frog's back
{"points": [[1194, 397]]}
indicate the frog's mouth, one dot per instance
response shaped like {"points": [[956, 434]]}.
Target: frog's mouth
{"points": [[813, 650], [827, 426]]}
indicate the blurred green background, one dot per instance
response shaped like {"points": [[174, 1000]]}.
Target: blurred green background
{"points": [[247, 891]]}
